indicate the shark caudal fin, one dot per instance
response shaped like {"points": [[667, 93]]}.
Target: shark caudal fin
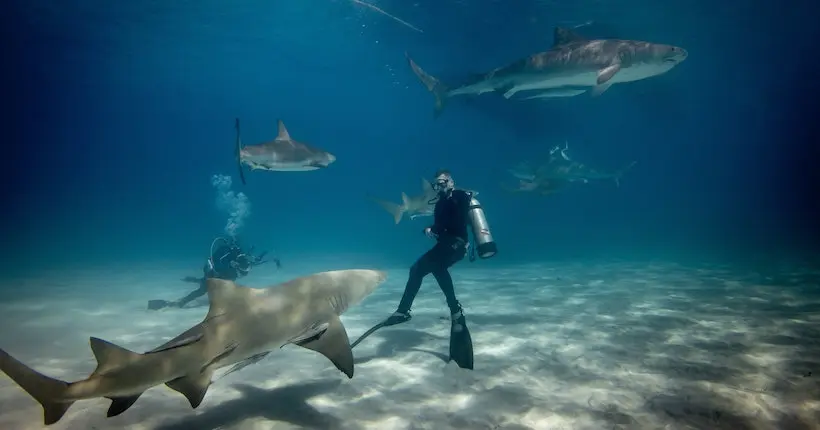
{"points": [[433, 85], [621, 172], [394, 209], [238, 152], [47, 391]]}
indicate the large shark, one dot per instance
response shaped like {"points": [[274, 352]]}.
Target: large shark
{"points": [[414, 206], [282, 154], [574, 65], [242, 324]]}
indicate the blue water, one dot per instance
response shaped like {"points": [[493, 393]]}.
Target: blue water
{"points": [[120, 114], [119, 154]]}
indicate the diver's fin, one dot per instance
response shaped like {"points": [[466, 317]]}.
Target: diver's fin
{"points": [[238, 152], [121, 404], [461, 343], [333, 344], [47, 391], [155, 305]]}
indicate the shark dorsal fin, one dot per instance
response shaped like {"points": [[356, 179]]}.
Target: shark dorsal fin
{"points": [[222, 294], [426, 186], [110, 356], [563, 36], [283, 132]]}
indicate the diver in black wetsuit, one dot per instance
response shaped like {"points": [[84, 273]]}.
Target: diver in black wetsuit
{"points": [[449, 229], [227, 261], [451, 217]]}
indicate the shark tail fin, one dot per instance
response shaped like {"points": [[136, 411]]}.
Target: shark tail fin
{"points": [[621, 173], [238, 152], [47, 391], [396, 210], [433, 85]]}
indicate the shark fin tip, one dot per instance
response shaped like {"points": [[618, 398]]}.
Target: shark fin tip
{"points": [[334, 344]]}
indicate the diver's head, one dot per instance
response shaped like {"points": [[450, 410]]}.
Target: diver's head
{"points": [[443, 184], [242, 264]]}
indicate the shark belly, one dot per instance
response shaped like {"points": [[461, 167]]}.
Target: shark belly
{"points": [[552, 81]]}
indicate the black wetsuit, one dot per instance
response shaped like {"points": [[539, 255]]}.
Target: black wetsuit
{"points": [[221, 269], [450, 220]]}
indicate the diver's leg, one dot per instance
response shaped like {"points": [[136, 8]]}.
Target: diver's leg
{"points": [[421, 268], [193, 295], [445, 281]]}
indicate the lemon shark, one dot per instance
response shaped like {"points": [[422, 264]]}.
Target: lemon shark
{"points": [[282, 154], [414, 206], [242, 323], [573, 66]]}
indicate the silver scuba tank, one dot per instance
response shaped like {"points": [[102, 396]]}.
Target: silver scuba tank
{"points": [[484, 243]]}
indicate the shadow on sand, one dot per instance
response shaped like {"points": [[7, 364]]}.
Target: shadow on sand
{"points": [[286, 404], [397, 340]]}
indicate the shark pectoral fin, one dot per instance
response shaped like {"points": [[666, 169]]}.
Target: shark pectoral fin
{"points": [[333, 344], [193, 387], [604, 80], [110, 356], [121, 404]]}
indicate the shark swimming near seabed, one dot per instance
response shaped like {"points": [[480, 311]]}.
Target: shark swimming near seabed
{"points": [[241, 326], [414, 206], [573, 66], [282, 154]]}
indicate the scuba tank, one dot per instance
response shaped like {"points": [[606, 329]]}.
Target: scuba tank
{"points": [[484, 243]]}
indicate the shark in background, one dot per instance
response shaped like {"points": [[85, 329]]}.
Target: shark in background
{"points": [[558, 171], [242, 325], [282, 154], [420, 205], [573, 66]]}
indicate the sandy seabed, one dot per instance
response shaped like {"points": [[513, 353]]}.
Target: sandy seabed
{"points": [[604, 345]]}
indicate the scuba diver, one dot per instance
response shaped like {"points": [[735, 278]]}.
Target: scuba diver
{"points": [[455, 209], [227, 261]]}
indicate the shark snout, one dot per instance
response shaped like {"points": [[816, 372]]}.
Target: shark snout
{"points": [[677, 55]]}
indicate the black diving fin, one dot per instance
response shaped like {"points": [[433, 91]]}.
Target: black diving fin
{"points": [[155, 305], [461, 343]]}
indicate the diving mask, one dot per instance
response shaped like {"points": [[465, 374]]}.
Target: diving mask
{"points": [[443, 184]]}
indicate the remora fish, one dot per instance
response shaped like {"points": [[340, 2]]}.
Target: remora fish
{"points": [[282, 154], [242, 323], [573, 66]]}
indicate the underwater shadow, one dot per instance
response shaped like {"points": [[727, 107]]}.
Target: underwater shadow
{"points": [[285, 404], [397, 340]]}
